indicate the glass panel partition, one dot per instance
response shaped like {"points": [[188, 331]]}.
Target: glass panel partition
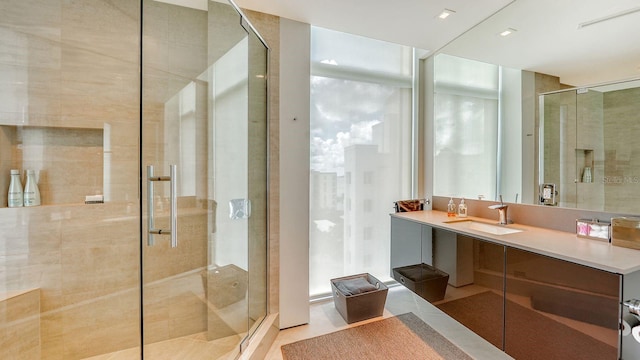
{"points": [[73, 270], [204, 113], [257, 178]]}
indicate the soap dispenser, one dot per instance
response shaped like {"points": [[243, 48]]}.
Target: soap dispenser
{"points": [[451, 208], [462, 209]]}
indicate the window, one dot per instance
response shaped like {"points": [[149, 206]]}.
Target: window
{"points": [[360, 131], [368, 177], [368, 205], [368, 233]]}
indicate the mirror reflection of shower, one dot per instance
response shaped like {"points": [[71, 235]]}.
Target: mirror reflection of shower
{"points": [[587, 148]]}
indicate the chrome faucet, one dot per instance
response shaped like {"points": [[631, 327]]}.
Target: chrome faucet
{"points": [[502, 210]]}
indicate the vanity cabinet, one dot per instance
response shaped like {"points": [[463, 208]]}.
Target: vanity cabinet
{"points": [[530, 305], [411, 243], [475, 267], [558, 309]]}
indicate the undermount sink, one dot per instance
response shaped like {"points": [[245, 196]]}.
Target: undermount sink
{"points": [[484, 227]]}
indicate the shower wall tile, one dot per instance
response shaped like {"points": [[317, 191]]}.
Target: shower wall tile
{"points": [[162, 262], [20, 331], [222, 16], [67, 69], [112, 268], [7, 139], [622, 150], [174, 307], [31, 14], [115, 28], [590, 136], [156, 21], [108, 323], [156, 57], [51, 327], [187, 26]]}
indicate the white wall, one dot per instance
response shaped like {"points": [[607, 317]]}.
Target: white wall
{"points": [[511, 152], [295, 75], [529, 101]]}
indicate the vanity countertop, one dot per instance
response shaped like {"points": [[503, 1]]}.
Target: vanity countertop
{"points": [[557, 244]]}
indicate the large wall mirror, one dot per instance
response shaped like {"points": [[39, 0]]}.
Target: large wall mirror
{"points": [[573, 68]]}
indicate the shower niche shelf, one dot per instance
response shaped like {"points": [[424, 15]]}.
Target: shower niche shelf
{"points": [[584, 163], [69, 162]]}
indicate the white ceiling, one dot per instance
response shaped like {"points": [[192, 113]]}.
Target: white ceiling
{"points": [[406, 22], [547, 39]]}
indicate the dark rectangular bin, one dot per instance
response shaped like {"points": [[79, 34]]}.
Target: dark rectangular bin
{"points": [[359, 306], [425, 280]]}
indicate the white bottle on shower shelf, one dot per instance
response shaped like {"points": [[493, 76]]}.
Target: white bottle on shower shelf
{"points": [[31, 192], [15, 195], [586, 175]]}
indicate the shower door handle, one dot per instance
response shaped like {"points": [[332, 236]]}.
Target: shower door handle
{"points": [[173, 207]]}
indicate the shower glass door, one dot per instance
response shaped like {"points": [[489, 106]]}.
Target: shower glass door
{"points": [[558, 146], [204, 180]]}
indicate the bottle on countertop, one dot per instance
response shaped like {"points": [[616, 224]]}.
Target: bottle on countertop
{"points": [[15, 196], [31, 192], [462, 209], [451, 208]]}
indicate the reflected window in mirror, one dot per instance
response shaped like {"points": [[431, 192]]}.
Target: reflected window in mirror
{"points": [[471, 100]]}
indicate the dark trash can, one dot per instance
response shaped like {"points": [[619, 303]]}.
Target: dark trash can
{"points": [[425, 280]]}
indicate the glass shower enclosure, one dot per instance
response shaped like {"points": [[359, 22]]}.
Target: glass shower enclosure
{"points": [[146, 125]]}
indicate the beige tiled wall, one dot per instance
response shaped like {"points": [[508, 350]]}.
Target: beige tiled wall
{"points": [[20, 330], [622, 150], [69, 68]]}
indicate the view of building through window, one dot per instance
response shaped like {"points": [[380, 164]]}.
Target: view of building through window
{"points": [[361, 91]]}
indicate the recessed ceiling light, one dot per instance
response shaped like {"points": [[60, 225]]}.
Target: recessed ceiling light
{"points": [[508, 32], [445, 13]]}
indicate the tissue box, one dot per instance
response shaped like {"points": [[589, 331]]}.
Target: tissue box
{"points": [[625, 232], [361, 306], [593, 229]]}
